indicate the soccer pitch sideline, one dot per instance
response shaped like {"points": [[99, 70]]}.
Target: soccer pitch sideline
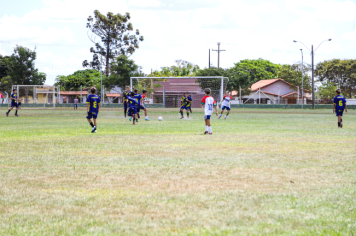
{"points": [[262, 172]]}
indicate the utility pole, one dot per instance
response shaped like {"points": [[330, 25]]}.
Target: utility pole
{"points": [[209, 57], [219, 53]]}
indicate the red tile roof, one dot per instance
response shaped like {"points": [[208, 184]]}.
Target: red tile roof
{"points": [[291, 93], [74, 92], [263, 83], [113, 95]]}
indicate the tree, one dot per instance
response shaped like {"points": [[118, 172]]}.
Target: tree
{"points": [[85, 78], [116, 38], [21, 67], [327, 91], [341, 72], [121, 71], [3, 66], [183, 68], [293, 75]]}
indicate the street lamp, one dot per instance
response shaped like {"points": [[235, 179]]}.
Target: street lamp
{"points": [[312, 55], [301, 50]]}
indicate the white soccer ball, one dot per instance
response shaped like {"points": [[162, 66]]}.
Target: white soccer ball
{"points": [[160, 118]]}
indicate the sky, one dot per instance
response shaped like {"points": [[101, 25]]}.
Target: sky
{"points": [[183, 29]]}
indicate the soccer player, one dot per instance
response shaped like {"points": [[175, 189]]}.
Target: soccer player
{"points": [[76, 103], [1, 97], [208, 103], [226, 104], [186, 103], [93, 105], [125, 101], [13, 103], [133, 102], [339, 106], [144, 93], [139, 101]]}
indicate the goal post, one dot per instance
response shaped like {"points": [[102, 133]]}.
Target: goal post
{"points": [[168, 91], [36, 96]]}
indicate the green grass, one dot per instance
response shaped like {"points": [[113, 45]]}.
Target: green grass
{"points": [[262, 172]]}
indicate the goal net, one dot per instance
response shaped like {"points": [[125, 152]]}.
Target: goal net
{"points": [[36, 96], [168, 91]]}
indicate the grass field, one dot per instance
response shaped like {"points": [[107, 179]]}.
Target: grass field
{"points": [[269, 172]]}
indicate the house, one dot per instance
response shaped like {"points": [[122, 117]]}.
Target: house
{"points": [[275, 91], [114, 97], [69, 96], [174, 89]]}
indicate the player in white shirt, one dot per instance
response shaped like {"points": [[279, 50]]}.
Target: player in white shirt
{"points": [[226, 104], [208, 103]]}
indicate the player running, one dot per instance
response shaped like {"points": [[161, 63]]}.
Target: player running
{"points": [[133, 102], [1, 97], [339, 106], [186, 103], [208, 103], [139, 101], [13, 103], [226, 104], [93, 105], [125, 101], [144, 93]]}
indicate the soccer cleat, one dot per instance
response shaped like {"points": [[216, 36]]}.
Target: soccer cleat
{"points": [[147, 119], [341, 125], [225, 117], [134, 123], [206, 132], [182, 117], [219, 117], [16, 115], [136, 120], [210, 133], [130, 119], [93, 130]]}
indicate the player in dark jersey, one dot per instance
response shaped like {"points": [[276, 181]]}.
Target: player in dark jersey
{"points": [[125, 101], [339, 106], [13, 103], [186, 104], [139, 100], [132, 106], [93, 105]]}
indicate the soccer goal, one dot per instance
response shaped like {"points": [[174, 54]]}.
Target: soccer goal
{"points": [[36, 96], [168, 91]]}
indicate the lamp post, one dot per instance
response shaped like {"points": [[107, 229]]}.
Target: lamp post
{"points": [[301, 50], [312, 58]]}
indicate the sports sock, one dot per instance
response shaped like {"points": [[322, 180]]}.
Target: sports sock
{"points": [[206, 128], [210, 130], [338, 124], [125, 112], [188, 114], [181, 113], [225, 116], [146, 117], [8, 111], [138, 115], [16, 112], [341, 120], [91, 124]]}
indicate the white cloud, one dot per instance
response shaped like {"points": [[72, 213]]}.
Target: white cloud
{"points": [[144, 3]]}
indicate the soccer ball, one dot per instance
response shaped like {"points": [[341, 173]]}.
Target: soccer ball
{"points": [[160, 118]]}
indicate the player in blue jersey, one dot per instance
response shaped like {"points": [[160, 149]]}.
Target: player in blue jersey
{"points": [[339, 106], [93, 105], [13, 103], [139, 100], [133, 102], [125, 101], [186, 104]]}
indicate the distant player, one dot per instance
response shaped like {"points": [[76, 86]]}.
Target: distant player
{"points": [[1, 97], [76, 103], [139, 100], [143, 107], [226, 104], [181, 103], [13, 103], [186, 103], [125, 101], [133, 102], [208, 103], [339, 106], [93, 105]]}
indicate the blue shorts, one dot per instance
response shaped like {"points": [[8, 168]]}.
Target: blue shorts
{"points": [[75, 105], [185, 108], [132, 111], [125, 105], [93, 115], [225, 107], [207, 117], [14, 104], [142, 107], [339, 112]]}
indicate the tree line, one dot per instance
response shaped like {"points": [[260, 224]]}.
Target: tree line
{"points": [[115, 40]]}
